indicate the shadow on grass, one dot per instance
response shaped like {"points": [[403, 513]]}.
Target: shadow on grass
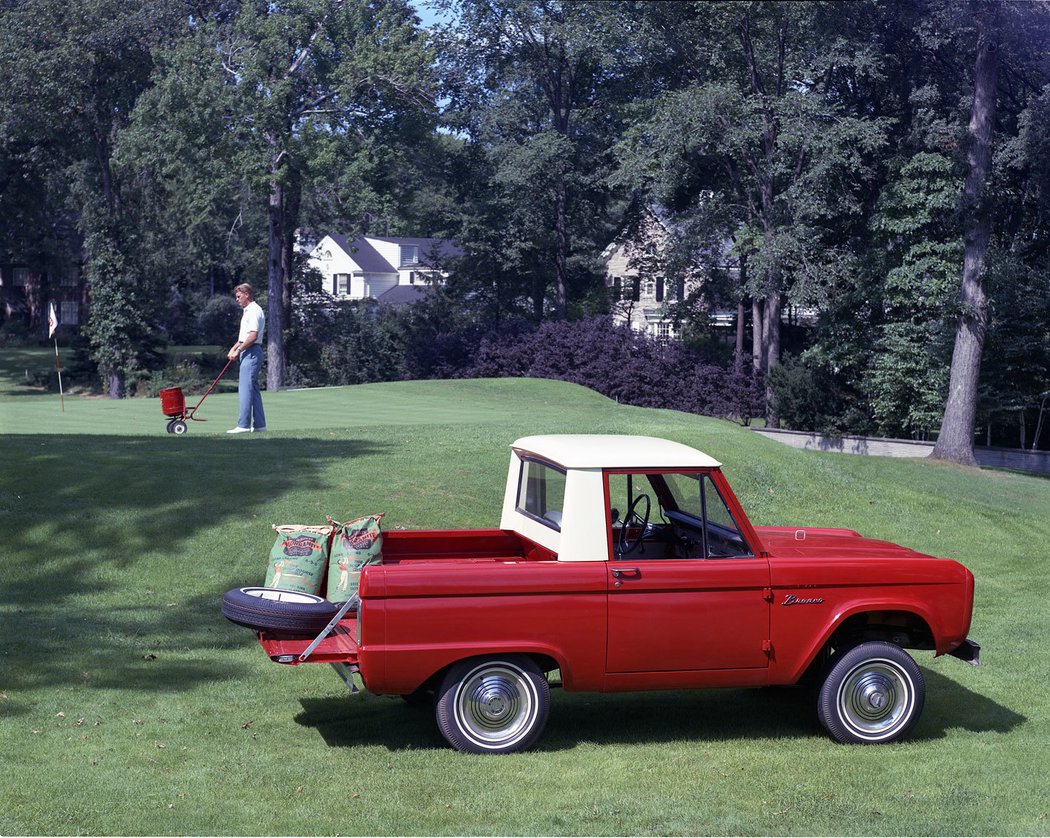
{"points": [[78, 603], [649, 717]]}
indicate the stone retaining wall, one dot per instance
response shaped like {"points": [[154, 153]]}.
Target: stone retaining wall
{"points": [[1015, 458]]}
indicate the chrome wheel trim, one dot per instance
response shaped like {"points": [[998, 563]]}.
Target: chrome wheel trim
{"points": [[281, 595], [875, 699], [495, 705]]}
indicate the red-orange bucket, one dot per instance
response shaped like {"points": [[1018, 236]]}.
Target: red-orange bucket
{"points": [[172, 402]]}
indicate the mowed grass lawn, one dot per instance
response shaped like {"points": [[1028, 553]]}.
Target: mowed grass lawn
{"points": [[129, 705]]}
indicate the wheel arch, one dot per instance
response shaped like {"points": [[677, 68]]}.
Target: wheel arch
{"points": [[545, 658], [907, 625]]}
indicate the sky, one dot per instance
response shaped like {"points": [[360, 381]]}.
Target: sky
{"points": [[426, 13]]}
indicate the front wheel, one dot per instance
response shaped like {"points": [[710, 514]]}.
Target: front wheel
{"points": [[871, 693], [494, 705]]}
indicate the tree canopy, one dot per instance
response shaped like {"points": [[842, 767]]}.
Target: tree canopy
{"points": [[876, 167]]}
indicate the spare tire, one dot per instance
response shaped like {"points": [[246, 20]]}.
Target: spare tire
{"points": [[277, 609]]}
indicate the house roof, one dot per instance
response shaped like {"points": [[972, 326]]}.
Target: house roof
{"points": [[366, 256], [432, 252]]}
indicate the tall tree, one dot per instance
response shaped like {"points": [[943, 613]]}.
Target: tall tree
{"points": [[78, 67], [955, 441], [1009, 69], [763, 138], [306, 87], [527, 80]]}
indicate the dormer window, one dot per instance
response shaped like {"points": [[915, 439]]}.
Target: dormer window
{"points": [[409, 254]]}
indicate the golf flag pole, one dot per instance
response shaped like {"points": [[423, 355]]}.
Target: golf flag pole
{"points": [[52, 327]]}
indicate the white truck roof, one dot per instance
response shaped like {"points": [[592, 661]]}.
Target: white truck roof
{"points": [[594, 451]]}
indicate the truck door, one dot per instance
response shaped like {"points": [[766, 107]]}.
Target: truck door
{"points": [[686, 592]]}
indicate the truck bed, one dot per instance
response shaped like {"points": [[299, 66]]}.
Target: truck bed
{"points": [[426, 546], [409, 547]]}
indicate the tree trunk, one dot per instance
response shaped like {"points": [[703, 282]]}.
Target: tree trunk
{"points": [[955, 441], [561, 246], [275, 320], [293, 195], [771, 329], [758, 339]]}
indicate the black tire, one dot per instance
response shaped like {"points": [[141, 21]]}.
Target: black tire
{"points": [[871, 693], [178, 427], [277, 610], [493, 705], [170, 423]]}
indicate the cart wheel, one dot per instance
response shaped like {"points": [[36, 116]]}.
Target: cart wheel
{"points": [[178, 427], [170, 423]]}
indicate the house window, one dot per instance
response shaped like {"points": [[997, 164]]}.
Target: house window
{"points": [[635, 288], [20, 277], [69, 313], [342, 284], [409, 254], [650, 289]]}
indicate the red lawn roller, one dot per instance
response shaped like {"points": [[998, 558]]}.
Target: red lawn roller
{"points": [[173, 405]]}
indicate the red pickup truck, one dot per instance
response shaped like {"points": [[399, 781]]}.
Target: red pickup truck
{"points": [[626, 563]]}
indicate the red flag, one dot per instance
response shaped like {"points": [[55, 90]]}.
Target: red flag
{"points": [[52, 321]]}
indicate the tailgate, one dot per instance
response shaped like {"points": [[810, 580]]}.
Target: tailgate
{"points": [[340, 646]]}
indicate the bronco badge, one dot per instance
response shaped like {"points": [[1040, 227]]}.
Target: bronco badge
{"points": [[791, 599]]}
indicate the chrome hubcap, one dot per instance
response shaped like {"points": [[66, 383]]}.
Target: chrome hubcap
{"points": [[875, 699], [495, 704]]}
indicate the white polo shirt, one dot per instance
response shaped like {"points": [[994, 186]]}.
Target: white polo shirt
{"points": [[252, 320]]}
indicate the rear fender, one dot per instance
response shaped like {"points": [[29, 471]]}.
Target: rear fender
{"points": [[408, 669]]}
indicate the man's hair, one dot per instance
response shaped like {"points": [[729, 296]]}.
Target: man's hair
{"points": [[246, 288]]}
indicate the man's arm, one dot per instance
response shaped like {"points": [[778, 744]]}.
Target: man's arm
{"points": [[241, 345]]}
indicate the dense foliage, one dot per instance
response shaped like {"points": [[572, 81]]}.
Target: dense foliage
{"points": [[878, 166]]}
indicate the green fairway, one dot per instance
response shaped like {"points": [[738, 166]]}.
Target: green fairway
{"points": [[129, 705]]}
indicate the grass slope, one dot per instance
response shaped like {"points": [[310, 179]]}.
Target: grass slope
{"points": [[128, 705]]}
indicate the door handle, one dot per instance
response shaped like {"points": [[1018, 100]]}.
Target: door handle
{"points": [[626, 571]]}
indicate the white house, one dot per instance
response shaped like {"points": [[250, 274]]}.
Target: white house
{"points": [[635, 275], [390, 270]]}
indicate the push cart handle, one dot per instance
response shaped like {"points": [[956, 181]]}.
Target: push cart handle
{"points": [[216, 381]]}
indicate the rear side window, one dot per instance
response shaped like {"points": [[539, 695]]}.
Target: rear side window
{"points": [[541, 492]]}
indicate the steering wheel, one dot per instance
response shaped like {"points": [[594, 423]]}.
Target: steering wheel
{"points": [[626, 543]]}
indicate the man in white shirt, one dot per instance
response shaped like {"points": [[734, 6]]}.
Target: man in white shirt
{"points": [[249, 349]]}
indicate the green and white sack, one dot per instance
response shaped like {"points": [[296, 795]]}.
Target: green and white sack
{"points": [[354, 544], [299, 558]]}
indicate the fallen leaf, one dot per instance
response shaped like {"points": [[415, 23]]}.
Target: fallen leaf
{"points": [[149, 657]]}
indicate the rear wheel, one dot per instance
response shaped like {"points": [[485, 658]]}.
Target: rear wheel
{"points": [[178, 427], [494, 705], [871, 693]]}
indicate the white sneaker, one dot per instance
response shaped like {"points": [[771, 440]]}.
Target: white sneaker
{"points": [[258, 430], [239, 430]]}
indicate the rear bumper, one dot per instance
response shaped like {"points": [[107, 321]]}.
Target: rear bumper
{"points": [[967, 651]]}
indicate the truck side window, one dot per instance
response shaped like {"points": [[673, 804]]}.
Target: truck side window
{"points": [[541, 492]]}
